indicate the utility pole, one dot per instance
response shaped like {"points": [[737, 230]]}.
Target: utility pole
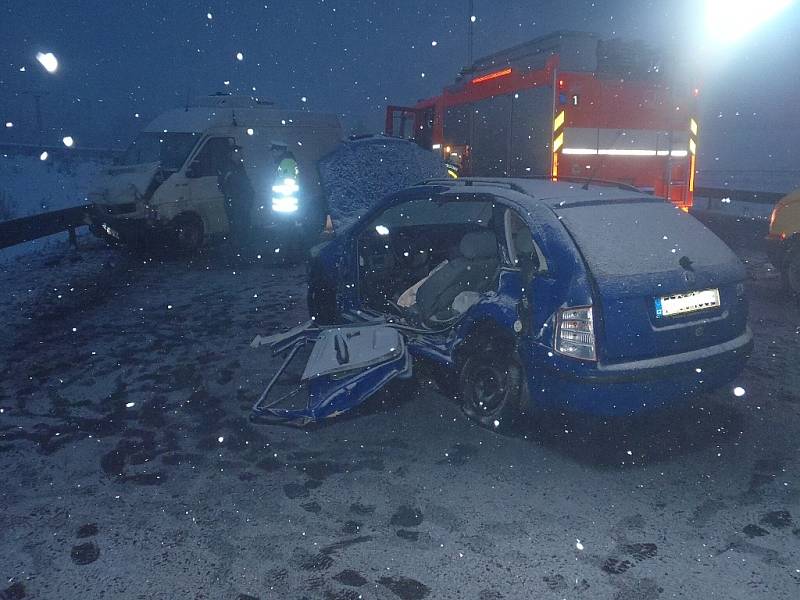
{"points": [[471, 34], [471, 18], [37, 98]]}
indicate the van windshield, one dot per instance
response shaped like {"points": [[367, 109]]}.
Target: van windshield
{"points": [[169, 149], [641, 235]]}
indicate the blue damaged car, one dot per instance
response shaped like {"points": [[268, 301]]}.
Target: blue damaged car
{"points": [[524, 295]]}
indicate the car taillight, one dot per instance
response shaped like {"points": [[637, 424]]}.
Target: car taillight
{"points": [[575, 333]]}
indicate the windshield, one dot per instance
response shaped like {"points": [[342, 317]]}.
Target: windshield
{"points": [[169, 149]]}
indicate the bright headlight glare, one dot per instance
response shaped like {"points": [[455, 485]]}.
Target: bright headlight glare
{"points": [[288, 187], [285, 204], [731, 20]]}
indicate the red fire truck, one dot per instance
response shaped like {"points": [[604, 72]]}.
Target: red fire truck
{"points": [[568, 104]]}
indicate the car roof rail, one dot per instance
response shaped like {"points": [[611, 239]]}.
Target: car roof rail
{"points": [[476, 180], [589, 181]]}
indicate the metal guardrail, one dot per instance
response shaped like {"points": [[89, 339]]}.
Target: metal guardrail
{"points": [[735, 204], [60, 152], [26, 229], [738, 195]]}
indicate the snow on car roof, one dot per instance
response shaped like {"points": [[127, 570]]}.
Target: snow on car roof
{"points": [[551, 192]]}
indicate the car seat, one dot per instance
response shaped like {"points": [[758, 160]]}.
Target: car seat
{"points": [[473, 270]]}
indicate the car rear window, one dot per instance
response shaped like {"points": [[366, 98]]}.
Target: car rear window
{"points": [[640, 236]]}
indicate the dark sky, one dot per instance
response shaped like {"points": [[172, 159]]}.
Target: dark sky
{"points": [[120, 58]]}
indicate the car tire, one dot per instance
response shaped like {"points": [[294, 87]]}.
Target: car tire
{"points": [[322, 304], [790, 270], [189, 233], [491, 385]]}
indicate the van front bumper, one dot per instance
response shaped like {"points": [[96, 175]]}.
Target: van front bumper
{"points": [[128, 230], [638, 386]]}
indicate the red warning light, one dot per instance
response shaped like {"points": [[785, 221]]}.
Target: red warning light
{"points": [[495, 75]]}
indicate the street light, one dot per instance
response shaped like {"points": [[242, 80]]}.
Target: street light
{"points": [[48, 60], [728, 21]]}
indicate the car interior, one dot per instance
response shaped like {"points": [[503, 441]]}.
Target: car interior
{"points": [[429, 261]]}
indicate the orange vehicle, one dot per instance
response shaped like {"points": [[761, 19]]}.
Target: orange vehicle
{"points": [[568, 104]]}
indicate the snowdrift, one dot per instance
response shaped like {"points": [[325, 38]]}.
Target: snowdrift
{"points": [[361, 172], [29, 185]]}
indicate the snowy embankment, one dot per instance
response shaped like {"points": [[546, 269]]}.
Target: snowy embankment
{"points": [[361, 172], [30, 185]]}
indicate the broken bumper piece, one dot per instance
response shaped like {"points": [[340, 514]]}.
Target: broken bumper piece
{"points": [[345, 366]]}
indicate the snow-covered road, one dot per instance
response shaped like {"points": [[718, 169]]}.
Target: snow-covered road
{"points": [[129, 468]]}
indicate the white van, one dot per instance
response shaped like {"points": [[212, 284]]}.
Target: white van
{"points": [[168, 184]]}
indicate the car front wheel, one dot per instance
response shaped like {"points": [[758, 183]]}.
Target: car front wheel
{"points": [[491, 386], [189, 233]]}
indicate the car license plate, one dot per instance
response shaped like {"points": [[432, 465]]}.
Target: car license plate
{"points": [[110, 231], [681, 304]]}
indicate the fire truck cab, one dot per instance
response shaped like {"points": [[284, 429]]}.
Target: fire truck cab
{"points": [[567, 105]]}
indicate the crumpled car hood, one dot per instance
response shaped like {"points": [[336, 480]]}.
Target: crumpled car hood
{"points": [[117, 185]]}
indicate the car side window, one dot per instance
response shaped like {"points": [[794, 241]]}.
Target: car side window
{"points": [[212, 158], [406, 243], [523, 251]]}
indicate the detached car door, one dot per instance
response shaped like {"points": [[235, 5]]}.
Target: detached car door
{"points": [[343, 367]]}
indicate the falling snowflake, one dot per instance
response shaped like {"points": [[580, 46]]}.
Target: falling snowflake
{"points": [[738, 392]]}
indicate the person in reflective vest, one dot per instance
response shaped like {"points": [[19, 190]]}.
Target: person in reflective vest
{"points": [[286, 188], [287, 167]]}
